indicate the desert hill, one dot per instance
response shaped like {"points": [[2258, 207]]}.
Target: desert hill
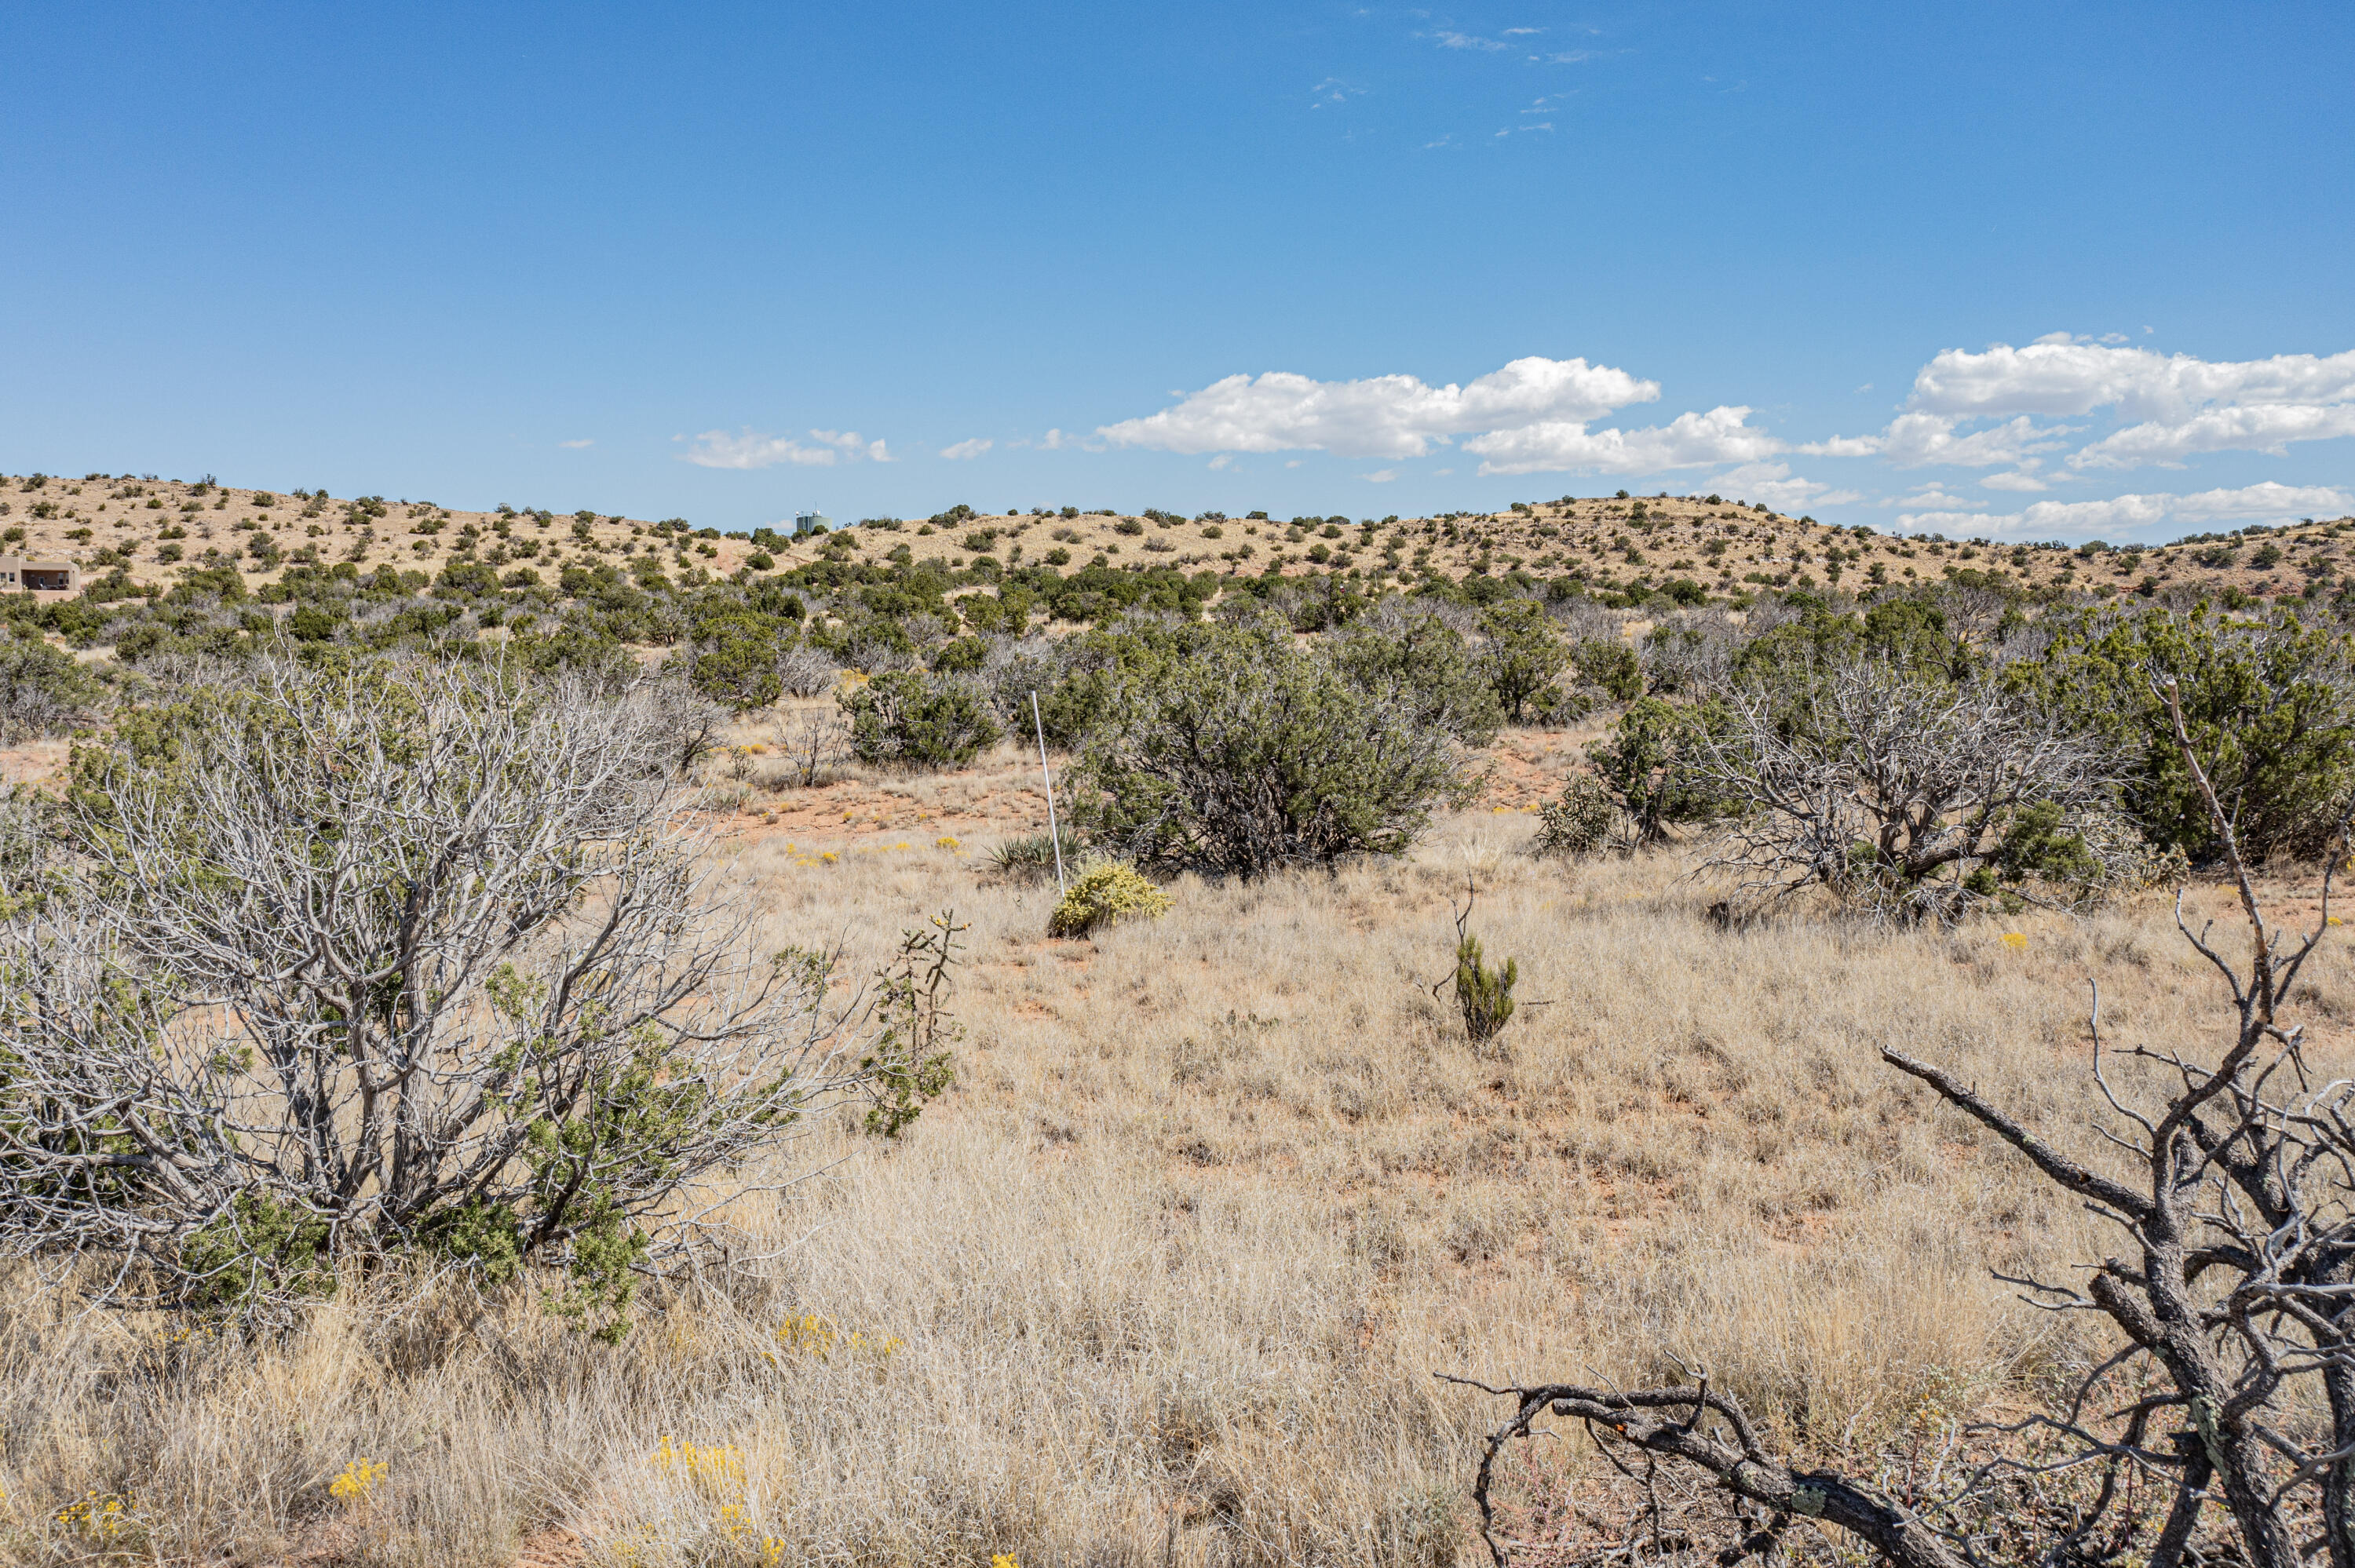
{"points": [[152, 530]]}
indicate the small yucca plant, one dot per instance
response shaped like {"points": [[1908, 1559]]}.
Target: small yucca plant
{"points": [[1032, 856]]}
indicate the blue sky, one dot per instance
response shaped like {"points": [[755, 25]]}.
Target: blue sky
{"points": [[728, 260]]}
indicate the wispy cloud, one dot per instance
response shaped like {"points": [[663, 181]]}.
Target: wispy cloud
{"points": [[969, 448], [748, 448], [577, 446], [1774, 484], [1450, 40]]}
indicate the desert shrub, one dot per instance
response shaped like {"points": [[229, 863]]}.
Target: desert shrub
{"points": [[1611, 666], [376, 959], [806, 672], [1579, 821], [960, 656], [2270, 707], [42, 690], [1412, 658], [905, 718], [1557, 706], [1904, 793], [1483, 994], [1651, 765], [736, 657], [1522, 655], [1253, 754], [1107, 892], [1076, 677], [812, 743]]}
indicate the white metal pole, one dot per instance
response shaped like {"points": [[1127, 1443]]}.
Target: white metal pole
{"points": [[1054, 836]]}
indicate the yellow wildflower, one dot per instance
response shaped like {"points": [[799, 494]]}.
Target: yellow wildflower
{"points": [[352, 1486], [714, 1468], [102, 1516]]}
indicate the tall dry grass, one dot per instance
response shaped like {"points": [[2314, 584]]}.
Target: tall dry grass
{"points": [[1163, 1279]]}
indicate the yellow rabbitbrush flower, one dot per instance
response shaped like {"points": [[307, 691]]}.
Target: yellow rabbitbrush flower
{"points": [[2017, 941], [813, 1335], [1004, 1560], [947, 842], [352, 1486], [717, 1468], [100, 1516]]}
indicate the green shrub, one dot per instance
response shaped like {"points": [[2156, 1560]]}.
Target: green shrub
{"points": [[451, 848], [42, 690], [1650, 765], [1580, 822], [736, 657], [906, 719], [1106, 893], [1611, 666], [1523, 655], [1253, 754], [2270, 708], [1419, 660], [1484, 994]]}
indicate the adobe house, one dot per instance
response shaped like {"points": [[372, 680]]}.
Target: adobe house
{"points": [[51, 577]]}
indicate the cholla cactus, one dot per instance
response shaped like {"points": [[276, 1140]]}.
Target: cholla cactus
{"points": [[1108, 890], [1578, 823]]}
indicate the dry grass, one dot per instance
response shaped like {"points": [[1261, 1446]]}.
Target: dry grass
{"points": [[1163, 1279]]}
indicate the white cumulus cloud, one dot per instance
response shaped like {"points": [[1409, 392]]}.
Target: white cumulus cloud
{"points": [[2268, 501], [1382, 416], [1689, 441], [1774, 484], [972, 448], [2067, 378], [2264, 428], [1924, 440], [2170, 407], [748, 448]]}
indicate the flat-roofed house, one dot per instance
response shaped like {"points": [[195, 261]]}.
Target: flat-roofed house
{"points": [[47, 576]]}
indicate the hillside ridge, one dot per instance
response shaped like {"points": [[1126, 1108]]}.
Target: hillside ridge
{"points": [[150, 530]]}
